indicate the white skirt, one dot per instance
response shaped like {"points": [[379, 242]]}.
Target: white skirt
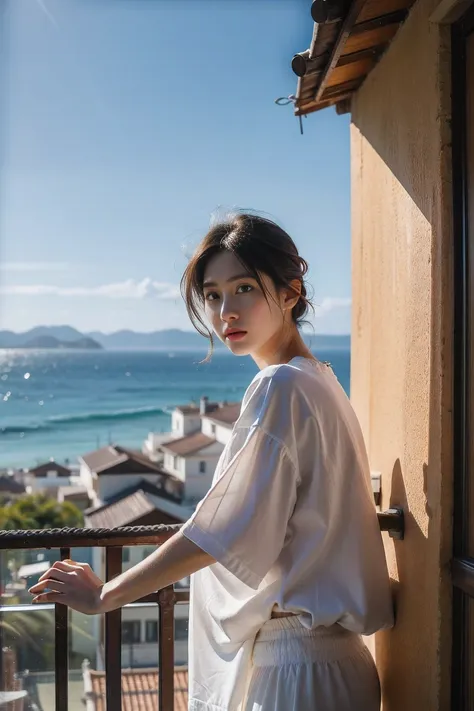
{"points": [[323, 669]]}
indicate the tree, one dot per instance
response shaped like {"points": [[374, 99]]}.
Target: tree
{"points": [[38, 511]]}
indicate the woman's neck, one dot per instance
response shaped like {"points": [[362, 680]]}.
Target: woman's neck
{"points": [[282, 350]]}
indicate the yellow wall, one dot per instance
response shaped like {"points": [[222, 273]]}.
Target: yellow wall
{"points": [[402, 340]]}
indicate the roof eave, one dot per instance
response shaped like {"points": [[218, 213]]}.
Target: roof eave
{"points": [[344, 50]]}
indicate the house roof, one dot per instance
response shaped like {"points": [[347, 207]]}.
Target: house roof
{"points": [[51, 466], [188, 409], [226, 414], [140, 689], [348, 40], [73, 492], [191, 444], [133, 504], [119, 460], [9, 485]]}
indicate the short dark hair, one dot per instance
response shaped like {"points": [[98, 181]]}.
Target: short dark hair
{"points": [[262, 247]]}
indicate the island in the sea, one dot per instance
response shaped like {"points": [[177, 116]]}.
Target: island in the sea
{"points": [[49, 338]]}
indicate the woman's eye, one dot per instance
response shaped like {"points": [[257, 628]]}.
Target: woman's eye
{"points": [[210, 296], [245, 288]]}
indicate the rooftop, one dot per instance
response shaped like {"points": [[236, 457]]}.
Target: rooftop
{"points": [[51, 466], [226, 414], [191, 444], [119, 460], [134, 504], [9, 485], [348, 40], [140, 689]]}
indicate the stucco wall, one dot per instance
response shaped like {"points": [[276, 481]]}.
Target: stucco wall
{"points": [[402, 340]]}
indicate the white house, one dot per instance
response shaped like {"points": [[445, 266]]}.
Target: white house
{"points": [[48, 477], [191, 450], [107, 472]]}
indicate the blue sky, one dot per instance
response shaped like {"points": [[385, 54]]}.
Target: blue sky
{"points": [[125, 124]]}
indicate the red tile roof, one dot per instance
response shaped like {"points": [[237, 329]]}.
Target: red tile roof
{"points": [[140, 689]]}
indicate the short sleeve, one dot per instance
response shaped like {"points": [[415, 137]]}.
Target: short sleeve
{"points": [[242, 521]]}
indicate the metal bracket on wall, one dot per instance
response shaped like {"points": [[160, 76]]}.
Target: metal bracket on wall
{"points": [[393, 521]]}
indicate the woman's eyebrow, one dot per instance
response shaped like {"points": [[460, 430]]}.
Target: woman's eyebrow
{"points": [[236, 277]]}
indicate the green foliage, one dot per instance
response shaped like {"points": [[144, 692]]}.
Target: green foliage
{"points": [[39, 511]]}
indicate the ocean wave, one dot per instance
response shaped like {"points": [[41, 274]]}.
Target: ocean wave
{"points": [[20, 429], [125, 414]]}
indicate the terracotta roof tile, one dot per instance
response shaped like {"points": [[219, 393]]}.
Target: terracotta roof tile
{"points": [[140, 689]]}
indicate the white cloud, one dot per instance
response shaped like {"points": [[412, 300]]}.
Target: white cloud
{"points": [[330, 303], [128, 289], [33, 266]]}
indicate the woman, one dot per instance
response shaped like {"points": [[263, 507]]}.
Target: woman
{"points": [[285, 552]]}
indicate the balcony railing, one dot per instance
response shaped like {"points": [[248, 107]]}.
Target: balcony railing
{"points": [[113, 540]]}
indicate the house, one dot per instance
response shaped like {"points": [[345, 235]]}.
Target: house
{"points": [[404, 72], [108, 471], [140, 689], [77, 495], [191, 450], [47, 477]]}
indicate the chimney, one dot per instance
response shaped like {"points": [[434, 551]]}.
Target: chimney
{"points": [[203, 405]]}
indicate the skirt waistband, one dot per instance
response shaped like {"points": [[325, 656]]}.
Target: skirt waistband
{"points": [[291, 625], [286, 641]]}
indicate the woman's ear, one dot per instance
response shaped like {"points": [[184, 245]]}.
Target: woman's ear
{"points": [[291, 294]]}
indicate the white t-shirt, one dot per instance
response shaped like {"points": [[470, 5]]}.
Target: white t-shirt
{"points": [[291, 521]]}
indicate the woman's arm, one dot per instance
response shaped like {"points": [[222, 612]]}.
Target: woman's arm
{"points": [[76, 585]]}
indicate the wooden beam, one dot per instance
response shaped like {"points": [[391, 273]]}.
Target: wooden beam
{"points": [[312, 106], [343, 88], [370, 53], [346, 28], [343, 107], [392, 18]]}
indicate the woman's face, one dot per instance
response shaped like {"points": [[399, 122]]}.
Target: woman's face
{"points": [[236, 307]]}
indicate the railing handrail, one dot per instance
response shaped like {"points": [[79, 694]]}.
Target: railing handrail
{"points": [[87, 537], [391, 521]]}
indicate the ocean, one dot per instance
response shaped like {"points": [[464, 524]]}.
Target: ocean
{"points": [[61, 404]]}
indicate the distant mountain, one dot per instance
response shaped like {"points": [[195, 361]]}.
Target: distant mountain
{"points": [[67, 337], [9, 339], [40, 338]]}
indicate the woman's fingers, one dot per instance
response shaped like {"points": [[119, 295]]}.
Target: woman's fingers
{"points": [[56, 573], [47, 597], [52, 584]]}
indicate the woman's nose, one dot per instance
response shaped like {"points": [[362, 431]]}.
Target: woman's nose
{"points": [[228, 310]]}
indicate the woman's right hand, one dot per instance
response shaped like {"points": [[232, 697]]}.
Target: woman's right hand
{"points": [[72, 584]]}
